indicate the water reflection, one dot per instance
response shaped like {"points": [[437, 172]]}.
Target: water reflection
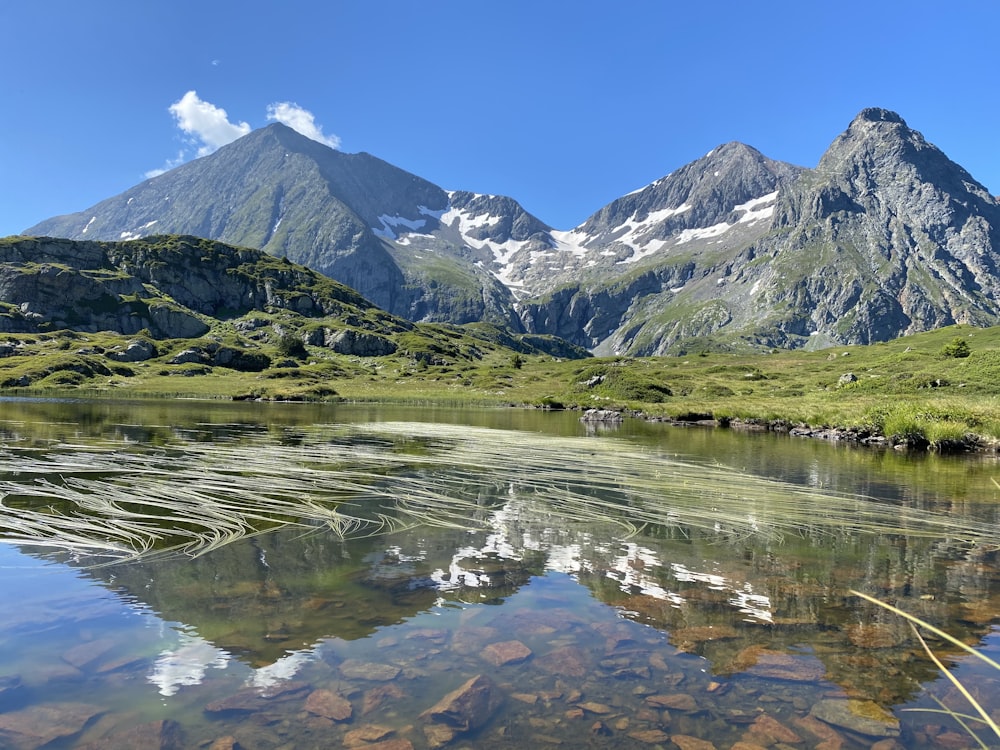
{"points": [[528, 627]]}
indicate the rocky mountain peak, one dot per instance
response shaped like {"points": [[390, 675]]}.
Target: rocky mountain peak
{"points": [[877, 114], [698, 195]]}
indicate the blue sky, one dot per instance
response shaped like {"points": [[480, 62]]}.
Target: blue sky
{"points": [[562, 105]]}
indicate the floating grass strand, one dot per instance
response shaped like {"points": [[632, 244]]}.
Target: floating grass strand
{"points": [[126, 500], [915, 623]]}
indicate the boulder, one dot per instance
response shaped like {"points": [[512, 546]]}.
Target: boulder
{"points": [[329, 705], [188, 355], [136, 350], [359, 343], [861, 716], [467, 707]]}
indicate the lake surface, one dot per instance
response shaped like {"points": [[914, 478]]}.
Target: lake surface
{"points": [[196, 575]]}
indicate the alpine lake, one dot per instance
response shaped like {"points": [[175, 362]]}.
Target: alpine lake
{"points": [[261, 576]]}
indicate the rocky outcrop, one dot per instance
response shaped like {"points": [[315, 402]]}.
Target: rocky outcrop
{"points": [[359, 343], [215, 355], [137, 350], [168, 286]]}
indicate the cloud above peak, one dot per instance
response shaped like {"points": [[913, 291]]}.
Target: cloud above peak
{"points": [[207, 127], [206, 124], [302, 121]]}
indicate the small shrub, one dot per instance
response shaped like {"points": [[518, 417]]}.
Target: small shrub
{"points": [[290, 345], [957, 348]]}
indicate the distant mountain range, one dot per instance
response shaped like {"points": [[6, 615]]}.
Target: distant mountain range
{"points": [[886, 236]]}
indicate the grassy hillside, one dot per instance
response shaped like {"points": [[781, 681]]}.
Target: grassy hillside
{"points": [[914, 387]]}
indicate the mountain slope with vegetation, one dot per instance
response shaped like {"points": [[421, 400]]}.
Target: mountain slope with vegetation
{"points": [[138, 313], [280, 331], [732, 252], [278, 191]]}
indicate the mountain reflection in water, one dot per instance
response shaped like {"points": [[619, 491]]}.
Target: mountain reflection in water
{"points": [[549, 627]]}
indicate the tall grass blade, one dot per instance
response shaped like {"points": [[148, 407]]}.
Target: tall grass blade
{"points": [[916, 622]]}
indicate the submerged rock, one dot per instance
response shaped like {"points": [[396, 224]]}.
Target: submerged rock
{"points": [[358, 670], [676, 701], [775, 665], [329, 705], [506, 652], [33, 727], [368, 733], [467, 707], [375, 697], [863, 717], [685, 742], [769, 731], [650, 736], [566, 661], [255, 699], [154, 735], [89, 652]]}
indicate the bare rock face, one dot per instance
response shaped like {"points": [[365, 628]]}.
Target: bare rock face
{"points": [[165, 285], [884, 212], [340, 214], [360, 343]]}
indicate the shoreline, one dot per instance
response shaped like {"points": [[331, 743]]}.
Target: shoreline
{"points": [[971, 443]]}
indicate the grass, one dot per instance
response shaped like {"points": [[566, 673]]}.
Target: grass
{"points": [[981, 715], [906, 389], [123, 501]]}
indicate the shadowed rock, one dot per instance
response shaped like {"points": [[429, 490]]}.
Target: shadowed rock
{"points": [[33, 727], [466, 708]]}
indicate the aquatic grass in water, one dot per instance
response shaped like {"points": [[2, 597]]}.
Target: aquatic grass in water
{"points": [[128, 501], [981, 714]]}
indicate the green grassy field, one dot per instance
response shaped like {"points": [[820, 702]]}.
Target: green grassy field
{"points": [[913, 386]]}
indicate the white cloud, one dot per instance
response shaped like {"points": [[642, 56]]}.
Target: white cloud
{"points": [[167, 166], [207, 124], [207, 127], [300, 120]]}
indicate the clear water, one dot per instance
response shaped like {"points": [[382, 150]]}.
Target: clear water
{"points": [[565, 630]]}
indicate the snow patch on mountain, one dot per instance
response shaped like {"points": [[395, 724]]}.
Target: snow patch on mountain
{"points": [[390, 225], [137, 233], [752, 211]]}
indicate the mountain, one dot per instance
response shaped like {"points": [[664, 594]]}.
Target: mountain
{"points": [[886, 236], [337, 213], [641, 252]]}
